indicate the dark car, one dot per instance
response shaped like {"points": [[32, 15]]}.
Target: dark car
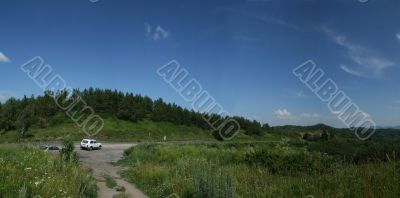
{"points": [[52, 149]]}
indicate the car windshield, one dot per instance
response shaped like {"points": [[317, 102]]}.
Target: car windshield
{"points": [[85, 141]]}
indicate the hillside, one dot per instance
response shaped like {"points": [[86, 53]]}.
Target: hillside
{"points": [[126, 116], [130, 117], [121, 130]]}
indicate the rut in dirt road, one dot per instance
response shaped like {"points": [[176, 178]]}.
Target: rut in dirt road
{"points": [[100, 162]]}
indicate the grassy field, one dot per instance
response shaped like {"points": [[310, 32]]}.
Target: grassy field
{"points": [[124, 131], [288, 161], [255, 170], [114, 130], [27, 172]]}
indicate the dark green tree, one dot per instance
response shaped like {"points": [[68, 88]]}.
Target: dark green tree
{"points": [[24, 121]]}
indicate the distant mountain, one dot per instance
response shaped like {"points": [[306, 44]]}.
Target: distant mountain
{"points": [[306, 128], [388, 127]]}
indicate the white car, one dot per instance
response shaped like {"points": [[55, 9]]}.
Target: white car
{"points": [[90, 144]]}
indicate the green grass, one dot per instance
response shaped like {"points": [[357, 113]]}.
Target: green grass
{"points": [[28, 172], [148, 130], [125, 131], [110, 182], [115, 130], [254, 170], [121, 195]]}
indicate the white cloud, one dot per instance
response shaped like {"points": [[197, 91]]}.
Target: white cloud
{"points": [[283, 114], [347, 113], [156, 33], [310, 116], [368, 63], [395, 106], [263, 17], [4, 97], [283, 117], [4, 58], [350, 71], [274, 20], [282, 22], [301, 94], [398, 36], [147, 28], [366, 114]]}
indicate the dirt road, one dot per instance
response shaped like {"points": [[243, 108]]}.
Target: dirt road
{"points": [[100, 162]]}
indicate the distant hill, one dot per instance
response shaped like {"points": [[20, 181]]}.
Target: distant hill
{"points": [[133, 117], [30, 115], [388, 127]]}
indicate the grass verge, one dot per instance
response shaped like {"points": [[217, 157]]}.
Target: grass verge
{"points": [[29, 172], [110, 182], [254, 170]]}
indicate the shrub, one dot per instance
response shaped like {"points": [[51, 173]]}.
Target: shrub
{"points": [[291, 163], [68, 154]]}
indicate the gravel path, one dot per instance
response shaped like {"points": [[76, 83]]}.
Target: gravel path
{"points": [[100, 162]]}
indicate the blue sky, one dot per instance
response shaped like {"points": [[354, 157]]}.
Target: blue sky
{"points": [[241, 52]]}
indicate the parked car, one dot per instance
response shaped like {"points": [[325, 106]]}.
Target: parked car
{"points": [[90, 144], [51, 149]]}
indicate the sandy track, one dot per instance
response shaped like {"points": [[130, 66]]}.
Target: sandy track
{"points": [[100, 162]]}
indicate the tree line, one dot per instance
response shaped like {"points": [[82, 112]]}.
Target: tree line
{"points": [[42, 111]]}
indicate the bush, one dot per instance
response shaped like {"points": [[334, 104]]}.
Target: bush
{"points": [[217, 135], [291, 163], [68, 155]]}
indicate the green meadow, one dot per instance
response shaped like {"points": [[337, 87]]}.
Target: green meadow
{"points": [[276, 169], [29, 172]]}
